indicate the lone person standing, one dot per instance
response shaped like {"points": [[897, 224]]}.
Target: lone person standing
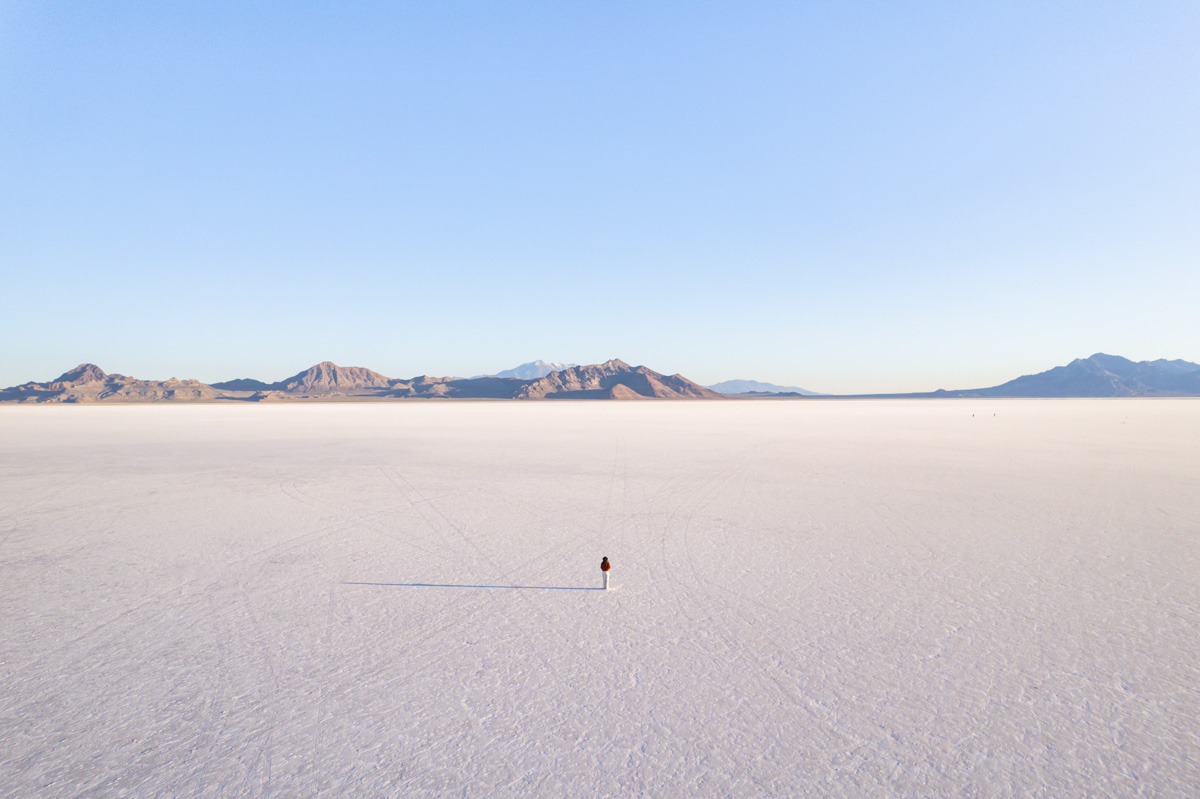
{"points": [[604, 568]]}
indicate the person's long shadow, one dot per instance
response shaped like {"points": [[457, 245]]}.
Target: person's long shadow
{"points": [[451, 585]]}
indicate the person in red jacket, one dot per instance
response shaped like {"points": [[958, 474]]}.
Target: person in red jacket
{"points": [[604, 567]]}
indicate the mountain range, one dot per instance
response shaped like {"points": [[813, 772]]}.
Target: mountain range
{"points": [[1097, 376], [612, 379], [88, 383], [533, 370]]}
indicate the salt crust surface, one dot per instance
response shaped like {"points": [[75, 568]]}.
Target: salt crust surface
{"points": [[892, 598]]}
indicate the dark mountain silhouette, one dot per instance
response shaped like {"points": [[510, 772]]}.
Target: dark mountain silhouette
{"points": [[613, 379]]}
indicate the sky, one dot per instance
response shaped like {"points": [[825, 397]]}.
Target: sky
{"points": [[848, 197]]}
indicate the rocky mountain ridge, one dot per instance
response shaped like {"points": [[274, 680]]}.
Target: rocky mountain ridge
{"points": [[613, 379], [89, 383]]}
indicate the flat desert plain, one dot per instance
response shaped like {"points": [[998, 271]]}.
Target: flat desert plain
{"points": [[809, 598]]}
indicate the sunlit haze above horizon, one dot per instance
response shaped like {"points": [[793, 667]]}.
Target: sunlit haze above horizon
{"points": [[851, 198]]}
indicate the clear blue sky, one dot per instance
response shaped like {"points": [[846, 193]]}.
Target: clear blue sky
{"points": [[848, 197]]}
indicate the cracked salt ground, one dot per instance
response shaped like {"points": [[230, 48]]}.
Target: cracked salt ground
{"points": [[809, 598]]}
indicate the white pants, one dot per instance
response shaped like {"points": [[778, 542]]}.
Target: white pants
{"points": [[605, 580]]}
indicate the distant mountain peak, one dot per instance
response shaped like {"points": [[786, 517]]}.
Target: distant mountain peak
{"points": [[532, 370], [83, 373], [327, 376]]}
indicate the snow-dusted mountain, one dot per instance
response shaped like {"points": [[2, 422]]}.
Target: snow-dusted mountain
{"points": [[757, 386], [533, 370]]}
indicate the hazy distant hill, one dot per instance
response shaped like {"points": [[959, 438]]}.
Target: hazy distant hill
{"points": [[532, 370], [1103, 376], [758, 387], [613, 379], [1098, 376]]}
